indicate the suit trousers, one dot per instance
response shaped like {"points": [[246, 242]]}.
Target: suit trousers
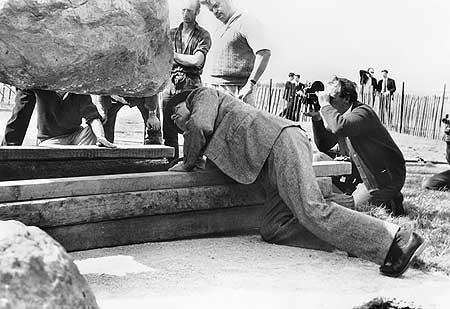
{"points": [[17, 125], [289, 181]]}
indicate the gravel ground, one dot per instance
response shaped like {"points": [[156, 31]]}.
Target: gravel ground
{"points": [[245, 272]]}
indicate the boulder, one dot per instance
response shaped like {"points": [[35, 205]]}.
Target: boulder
{"points": [[117, 47], [36, 272]]}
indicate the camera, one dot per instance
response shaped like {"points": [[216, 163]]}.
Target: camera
{"points": [[311, 100]]}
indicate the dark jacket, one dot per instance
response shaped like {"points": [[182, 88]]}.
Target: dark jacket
{"points": [[59, 115], [362, 137], [390, 85]]}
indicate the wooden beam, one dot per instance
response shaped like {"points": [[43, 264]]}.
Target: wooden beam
{"points": [[203, 223], [38, 153], [77, 186], [32, 169]]}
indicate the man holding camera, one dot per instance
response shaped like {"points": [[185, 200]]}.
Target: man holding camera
{"points": [[441, 181], [355, 128]]}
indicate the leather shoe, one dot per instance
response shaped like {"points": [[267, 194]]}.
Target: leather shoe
{"points": [[400, 257]]}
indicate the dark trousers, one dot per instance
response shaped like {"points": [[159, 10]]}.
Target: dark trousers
{"points": [[17, 125], [440, 181], [111, 110], [170, 130]]}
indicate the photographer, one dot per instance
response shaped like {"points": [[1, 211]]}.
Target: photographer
{"points": [[441, 181], [378, 163]]}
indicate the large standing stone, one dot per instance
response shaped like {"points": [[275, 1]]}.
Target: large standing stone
{"points": [[86, 46], [36, 272]]}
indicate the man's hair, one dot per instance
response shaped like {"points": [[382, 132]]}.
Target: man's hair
{"points": [[291, 74], [344, 88], [370, 69], [174, 101], [384, 71], [196, 4]]}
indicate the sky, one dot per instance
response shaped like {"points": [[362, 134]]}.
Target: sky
{"points": [[322, 38]]}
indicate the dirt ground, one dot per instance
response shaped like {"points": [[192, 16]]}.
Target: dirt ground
{"points": [[245, 272]]}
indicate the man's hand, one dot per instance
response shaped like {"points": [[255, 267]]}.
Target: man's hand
{"points": [[246, 90], [313, 114], [179, 167], [153, 122], [103, 142]]}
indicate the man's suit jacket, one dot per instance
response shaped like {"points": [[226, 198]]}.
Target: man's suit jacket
{"points": [[235, 136], [390, 85]]}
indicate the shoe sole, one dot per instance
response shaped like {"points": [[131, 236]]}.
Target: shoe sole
{"points": [[416, 253]]}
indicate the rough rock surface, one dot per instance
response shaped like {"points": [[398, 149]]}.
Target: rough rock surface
{"points": [[36, 272], [86, 46]]}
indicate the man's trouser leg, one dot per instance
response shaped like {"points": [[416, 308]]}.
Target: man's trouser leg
{"points": [[17, 125], [151, 137], [170, 131], [289, 172], [83, 136], [111, 110]]}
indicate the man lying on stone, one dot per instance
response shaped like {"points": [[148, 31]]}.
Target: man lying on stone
{"points": [[251, 145], [109, 106], [441, 181], [354, 128], [60, 117]]}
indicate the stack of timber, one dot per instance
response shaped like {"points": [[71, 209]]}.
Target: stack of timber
{"points": [[70, 161], [110, 210]]}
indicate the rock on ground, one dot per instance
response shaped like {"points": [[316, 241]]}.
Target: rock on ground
{"points": [[36, 272], [96, 46]]}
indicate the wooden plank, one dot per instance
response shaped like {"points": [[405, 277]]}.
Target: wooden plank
{"points": [[85, 152], [77, 186], [242, 220], [31, 169], [101, 207]]}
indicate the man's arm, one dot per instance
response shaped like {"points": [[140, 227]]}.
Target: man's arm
{"points": [[195, 60], [262, 58], [356, 122], [394, 88], [97, 128]]}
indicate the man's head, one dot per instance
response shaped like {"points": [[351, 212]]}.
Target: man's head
{"points": [[291, 76], [222, 9], [342, 93], [384, 73], [371, 71], [178, 110], [297, 77], [190, 10]]}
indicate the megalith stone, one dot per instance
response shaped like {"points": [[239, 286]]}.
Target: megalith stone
{"points": [[36, 271], [117, 47]]}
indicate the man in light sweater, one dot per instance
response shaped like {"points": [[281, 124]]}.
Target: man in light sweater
{"points": [[240, 52]]}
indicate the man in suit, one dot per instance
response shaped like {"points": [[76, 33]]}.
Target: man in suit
{"points": [[251, 145], [367, 81], [386, 85]]}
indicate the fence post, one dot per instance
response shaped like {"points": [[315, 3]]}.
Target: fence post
{"points": [[270, 95], [402, 102], [442, 107]]}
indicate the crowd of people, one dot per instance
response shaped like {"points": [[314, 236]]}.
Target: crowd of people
{"points": [[221, 123]]}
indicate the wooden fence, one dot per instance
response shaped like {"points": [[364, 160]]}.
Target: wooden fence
{"points": [[404, 113]]}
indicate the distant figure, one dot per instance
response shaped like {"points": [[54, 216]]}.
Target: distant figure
{"points": [[367, 81], [191, 44], [362, 139], [289, 88], [240, 52], [60, 116], [386, 85], [441, 181]]}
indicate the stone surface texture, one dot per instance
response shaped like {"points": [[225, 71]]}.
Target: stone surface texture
{"points": [[86, 46], [36, 272]]}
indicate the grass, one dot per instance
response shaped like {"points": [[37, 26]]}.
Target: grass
{"points": [[427, 212]]}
